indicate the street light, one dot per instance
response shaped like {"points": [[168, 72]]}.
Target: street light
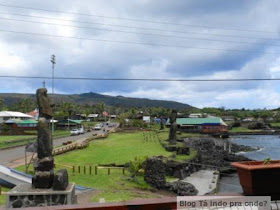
{"points": [[53, 61]]}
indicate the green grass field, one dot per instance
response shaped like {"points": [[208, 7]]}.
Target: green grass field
{"points": [[9, 138], [241, 129], [31, 138], [3, 197], [276, 124], [118, 148]]}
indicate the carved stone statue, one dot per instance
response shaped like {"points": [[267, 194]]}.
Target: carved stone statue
{"points": [[161, 123], [173, 127], [44, 175]]}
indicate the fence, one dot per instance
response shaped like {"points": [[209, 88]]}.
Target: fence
{"points": [[94, 169]]}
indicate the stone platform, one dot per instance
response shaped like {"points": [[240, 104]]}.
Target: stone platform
{"points": [[24, 195]]}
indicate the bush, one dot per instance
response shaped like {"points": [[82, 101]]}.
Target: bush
{"points": [[256, 126], [236, 124], [136, 167]]}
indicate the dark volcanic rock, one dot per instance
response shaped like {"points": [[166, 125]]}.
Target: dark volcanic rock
{"points": [[60, 181], [155, 172], [182, 188], [42, 179], [44, 164]]}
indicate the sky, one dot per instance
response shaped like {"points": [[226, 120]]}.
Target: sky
{"points": [[147, 39]]}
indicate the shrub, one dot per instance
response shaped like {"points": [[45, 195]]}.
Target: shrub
{"points": [[136, 167]]}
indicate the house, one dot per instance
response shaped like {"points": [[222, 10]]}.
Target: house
{"points": [[68, 124], [17, 124], [34, 114], [147, 119], [93, 117], [201, 125], [9, 115]]}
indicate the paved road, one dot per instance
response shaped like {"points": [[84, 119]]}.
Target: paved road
{"points": [[9, 156]]}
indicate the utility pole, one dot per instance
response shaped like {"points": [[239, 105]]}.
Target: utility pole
{"points": [[53, 61], [44, 84]]}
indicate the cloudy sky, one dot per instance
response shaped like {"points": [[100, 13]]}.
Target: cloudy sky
{"points": [[190, 39]]}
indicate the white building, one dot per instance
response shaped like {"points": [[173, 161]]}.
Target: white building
{"points": [[7, 115]]}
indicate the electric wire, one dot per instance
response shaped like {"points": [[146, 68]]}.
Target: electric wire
{"points": [[135, 43], [142, 79], [139, 33], [144, 28], [132, 19]]}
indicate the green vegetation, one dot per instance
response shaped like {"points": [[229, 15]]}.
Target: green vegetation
{"points": [[118, 148], [27, 138], [276, 124], [3, 197], [241, 129], [9, 138]]}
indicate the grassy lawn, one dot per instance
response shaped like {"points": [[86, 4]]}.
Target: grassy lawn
{"points": [[3, 197], [118, 148], [276, 124], [31, 138], [8, 138], [241, 129]]}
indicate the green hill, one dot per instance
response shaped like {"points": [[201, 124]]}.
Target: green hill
{"points": [[93, 98]]}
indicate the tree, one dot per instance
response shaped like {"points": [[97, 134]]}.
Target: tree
{"points": [[2, 105]]}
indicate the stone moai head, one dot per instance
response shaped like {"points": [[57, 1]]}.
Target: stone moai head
{"points": [[173, 116], [44, 103]]}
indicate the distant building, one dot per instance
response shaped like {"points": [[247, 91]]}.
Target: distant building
{"points": [[201, 125], [34, 113], [8, 115], [68, 124], [147, 119], [22, 124]]}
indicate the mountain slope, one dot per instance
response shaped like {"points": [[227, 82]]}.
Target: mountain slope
{"points": [[93, 98]]}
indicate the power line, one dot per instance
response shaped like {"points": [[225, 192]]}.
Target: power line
{"points": [[135, 43], [145, 28], [140, 33], [142, 79], [137, 20]]}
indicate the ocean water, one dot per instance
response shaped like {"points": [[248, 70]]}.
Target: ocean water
{"points": [[269, 146]]}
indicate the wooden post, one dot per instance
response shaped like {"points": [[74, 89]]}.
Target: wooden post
{"points": [[90, 170], [123, 170], [79, 169], [95, 170], [73, 169], [108, 171], [84, 169]]}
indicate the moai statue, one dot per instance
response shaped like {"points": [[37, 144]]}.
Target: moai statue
{"points": [[44, 176], [161, 123], [44, 168], [173, 127]]}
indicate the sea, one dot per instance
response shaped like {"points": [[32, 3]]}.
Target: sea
{"points": [[269, 147]]}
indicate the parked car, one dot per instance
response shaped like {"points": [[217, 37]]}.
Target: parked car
{"points": [[98, 127], [74, 132], [81, 130]]}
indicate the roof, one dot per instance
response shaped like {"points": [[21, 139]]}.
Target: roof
{"points": [[70, 121], [198, 121], [14, 114], [27, 122]]}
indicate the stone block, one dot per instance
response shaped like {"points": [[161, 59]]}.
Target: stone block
{"points": [[42, 179], [24, 196], [60, 181]]}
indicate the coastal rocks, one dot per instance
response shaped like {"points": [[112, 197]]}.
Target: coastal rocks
{"points": [[182, 188], [155, 172], [180, 170]]}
